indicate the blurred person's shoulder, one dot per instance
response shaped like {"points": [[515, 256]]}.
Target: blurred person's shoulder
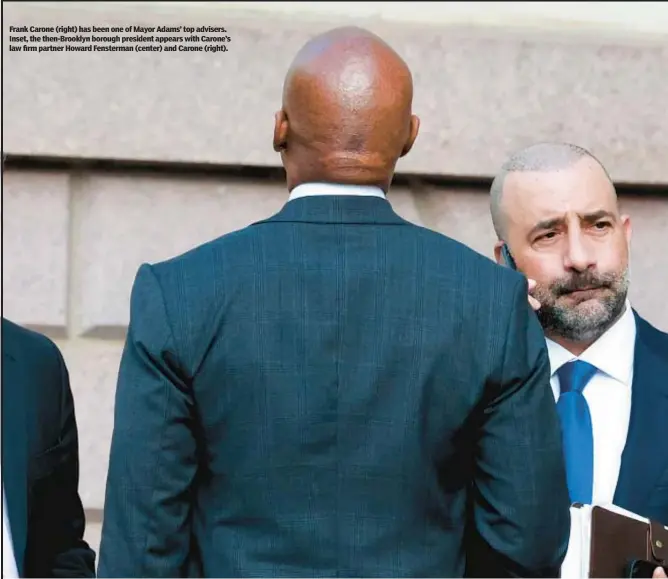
{"points": [[43, 373], [18, 339]]}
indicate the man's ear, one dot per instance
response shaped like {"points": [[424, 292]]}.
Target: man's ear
{"points": [[498, 255], [412, 135], [628, 230], [280, 131]]}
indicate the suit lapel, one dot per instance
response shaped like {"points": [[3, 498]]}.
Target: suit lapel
{"points": [[644, 459], [14, 451]]}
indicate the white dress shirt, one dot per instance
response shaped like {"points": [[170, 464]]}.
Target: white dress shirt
{"points": [[313, 189], [8, 559], [608, 395]]}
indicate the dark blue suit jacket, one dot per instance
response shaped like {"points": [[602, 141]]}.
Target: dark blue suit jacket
{"points": [[40, 459], [643, 479], [333, 392]]}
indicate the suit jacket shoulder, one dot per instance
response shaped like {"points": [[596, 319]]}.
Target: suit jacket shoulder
{"points": [[652, 337], [197, 285], [43, 373], [191, 286], [42, 378], [18, 341]]}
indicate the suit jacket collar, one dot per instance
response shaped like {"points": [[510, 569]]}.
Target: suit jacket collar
{"points": [[14, 448], [348, 209], [645, 455]]}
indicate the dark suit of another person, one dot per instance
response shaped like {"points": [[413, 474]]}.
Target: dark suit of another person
{"points": [[40, 459], [642, 486], [333, 392]]}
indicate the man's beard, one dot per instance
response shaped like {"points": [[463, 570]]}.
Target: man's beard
{"points": [[586, 320]]}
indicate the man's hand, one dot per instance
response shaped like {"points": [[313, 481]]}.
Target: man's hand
{"points": [[659, 573], [535, 304]]}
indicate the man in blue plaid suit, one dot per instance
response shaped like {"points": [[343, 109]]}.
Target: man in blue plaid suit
{"points": [[335, 392]]}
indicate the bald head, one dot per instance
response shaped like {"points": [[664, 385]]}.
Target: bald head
{"points": [[542, 158], [346, 114]]}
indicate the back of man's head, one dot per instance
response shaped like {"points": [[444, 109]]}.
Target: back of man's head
{"points": [[346, 115]]}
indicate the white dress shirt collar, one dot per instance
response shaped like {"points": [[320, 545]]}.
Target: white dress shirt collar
{"points": [[612, 353], [314, 189]]}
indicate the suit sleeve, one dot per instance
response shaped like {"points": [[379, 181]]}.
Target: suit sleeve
{"points": [[521, 504], [55, 545], [146, 528]]}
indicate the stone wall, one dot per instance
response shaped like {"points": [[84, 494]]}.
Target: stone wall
{"points": [[481, 93]]}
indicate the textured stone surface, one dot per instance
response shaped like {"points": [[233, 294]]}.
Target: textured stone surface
{"points": [[649, 259], [92, 536], [593, 16], [480, 92], [35, 220]]}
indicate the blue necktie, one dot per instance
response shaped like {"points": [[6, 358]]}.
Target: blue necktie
{"points": [[576, 429]]}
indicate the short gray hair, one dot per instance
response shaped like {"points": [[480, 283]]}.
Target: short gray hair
{"points": [[546, 156]]}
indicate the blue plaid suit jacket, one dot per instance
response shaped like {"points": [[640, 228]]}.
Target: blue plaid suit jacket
{"points": [[333, 392]]}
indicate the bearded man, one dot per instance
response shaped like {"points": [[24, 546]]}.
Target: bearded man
{"points": [[557, 219]]}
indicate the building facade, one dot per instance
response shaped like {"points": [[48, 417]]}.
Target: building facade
{"points": [[115, 159]]}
